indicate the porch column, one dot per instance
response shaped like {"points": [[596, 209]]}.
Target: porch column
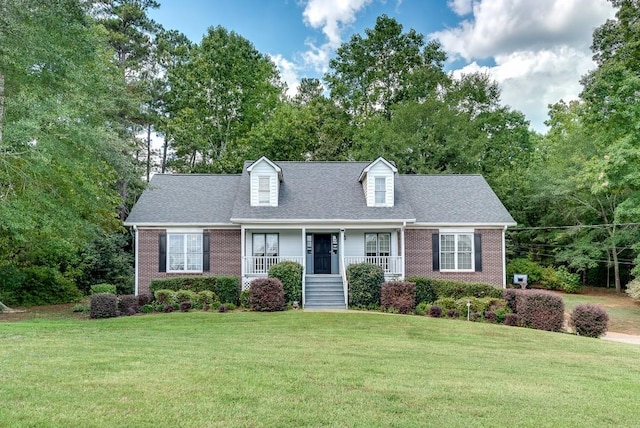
{"points": [[304, 264], [242, 256], [402, 251]]}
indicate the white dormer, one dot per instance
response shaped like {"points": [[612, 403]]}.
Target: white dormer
{"points": [[378, 183], [265, 177]]}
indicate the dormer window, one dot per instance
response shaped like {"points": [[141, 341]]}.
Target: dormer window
{"points": [[264, 192], [381, 190]]}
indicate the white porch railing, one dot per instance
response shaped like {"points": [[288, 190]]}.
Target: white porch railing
{"points": [[254, 265], [392, 265]]}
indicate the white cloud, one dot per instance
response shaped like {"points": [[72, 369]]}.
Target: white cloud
{"points": [[332, 16], [460, 7], [540, 48], [288, 73]]}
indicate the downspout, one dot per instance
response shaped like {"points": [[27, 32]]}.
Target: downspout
{"points": [[504, 258], [304, 266], [343, 271], [403, 268], [137, 262], [243, 259]]}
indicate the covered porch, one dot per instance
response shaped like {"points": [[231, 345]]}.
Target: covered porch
{"points": [[324, 252]]}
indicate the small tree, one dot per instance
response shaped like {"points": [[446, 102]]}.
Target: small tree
{"points": [[365, 280], [290, 274]]}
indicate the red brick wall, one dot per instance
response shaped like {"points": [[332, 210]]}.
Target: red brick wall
{"points": [[224, 255], [419, 261]]}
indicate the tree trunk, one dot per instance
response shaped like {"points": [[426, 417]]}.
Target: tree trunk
{"points": [[165, 147], [1, 103], [148, 152], [616, 270]]}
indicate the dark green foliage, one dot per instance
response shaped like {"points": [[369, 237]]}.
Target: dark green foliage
{"points": [[108, 259], [460, 289], [104, 305], [435, 311], [244, 299], [225, 287], [165, 296], [525, 266], [205, 298], [446, 303], [36, 285], [424, 289], [267, 295], [540, 309], [398, 295], [569, 282], [147, 309], [185, 296], [103, 288], [364, 280], [128, 303], [589, 320], [290, 274]]}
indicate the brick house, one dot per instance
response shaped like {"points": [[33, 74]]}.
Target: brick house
{"points": [[323, 215]]}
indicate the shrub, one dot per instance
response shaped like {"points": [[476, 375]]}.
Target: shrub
{"points": [[185, 305], [509, 295], [424, 289], [165, 297], [446, 303], [79, 308], [549, 279], [36, 285], [570, 282], [144, 299], [364, 280], [633, 289], [477, 305], [267, 294], [540, 310], [205, 298], [225, 287], [398, 295], [223, 308], [589, 320], [435, 311], [421, 308], [490, 316], [512, 320], [290, 275], [126, 302], [103, 305], [244, 299], [452, 313], [460, 289], [103, 288], [526, 266], [231, 306], [168, 308], [501, 315], [147, 309], [185, 296]]}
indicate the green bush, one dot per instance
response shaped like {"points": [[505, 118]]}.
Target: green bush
{"points": [[36, 285], [459, 289], [267, 295], [525, 266], [206, 298], [102, 288], [633, 289], [185, 296], [365, 280], [422, 308], [446, 304], [78, 308], [290, 274], [589, 320], [570, 282], [424, 289], [549, 279], [165, 297], [399, 296], [147, 309], [225, 287], [244, 299], [103, 305]]}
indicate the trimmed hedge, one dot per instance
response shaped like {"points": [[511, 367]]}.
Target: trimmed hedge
{"points": [[104, 305], [365, 280], [102, 288], [290, 275], [165, 297], [266, 295], [589, 320], [424, 289], [36, 285], [227, 288], [398, 295], [540, 310], [128, 304]]}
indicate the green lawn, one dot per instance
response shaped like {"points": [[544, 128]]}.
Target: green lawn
{"points": [[309, 369]]}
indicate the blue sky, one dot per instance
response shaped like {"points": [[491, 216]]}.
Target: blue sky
{"points": [[535, 49]]}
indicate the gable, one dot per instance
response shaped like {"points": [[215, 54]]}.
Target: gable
{"points": [[265, 177], [378, 183]]}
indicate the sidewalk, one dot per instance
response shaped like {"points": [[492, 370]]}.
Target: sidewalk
{"points": [[621, 337]]}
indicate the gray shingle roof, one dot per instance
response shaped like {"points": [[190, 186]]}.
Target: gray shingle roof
{"points": [[321, 191], [186, 199]]}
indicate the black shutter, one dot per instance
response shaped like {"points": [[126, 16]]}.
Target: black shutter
{"points": [[435, 249], [162, 252], [205, 252], [477, 243]]}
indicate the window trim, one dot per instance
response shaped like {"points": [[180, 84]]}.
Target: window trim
{"points": [[382, 191], [264, 235], [456, 250], [185, 252], [264, 192], [377, 234]]}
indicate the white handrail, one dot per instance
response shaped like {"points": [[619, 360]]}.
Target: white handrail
{"points": [[392, 265], [261, 264]]}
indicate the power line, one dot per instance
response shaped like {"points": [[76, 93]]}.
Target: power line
{"points": [[580, 226]]}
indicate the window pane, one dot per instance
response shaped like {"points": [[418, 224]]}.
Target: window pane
{"points": [[176, 252], [464, 261], [263, 190], [384, 244], [272, 244], [194, 261], [380, 190], [447, 243], [258, 244], [464, 243], [447, 261], [371, 244]]}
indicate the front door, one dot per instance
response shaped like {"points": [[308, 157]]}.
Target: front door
{"points": [[322, 253]]}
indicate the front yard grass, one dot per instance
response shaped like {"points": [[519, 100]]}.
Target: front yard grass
{"points": [[309, 369]]}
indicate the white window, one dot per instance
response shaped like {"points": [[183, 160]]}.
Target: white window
{"points": [[265, 251], [264, 190], [377, 244], [184, 252], [456, 251], [381, 190]]}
